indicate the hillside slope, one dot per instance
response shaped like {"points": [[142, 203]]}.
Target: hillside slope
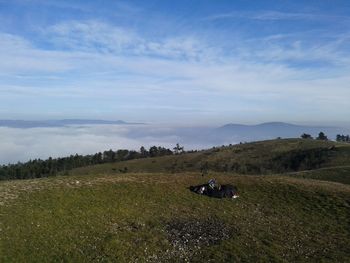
{"points": [[340, 174], [148, 217], [142, 210], [265, 157]]}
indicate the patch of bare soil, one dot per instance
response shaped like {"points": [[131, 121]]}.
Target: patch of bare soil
{"points": [[188, 237]]}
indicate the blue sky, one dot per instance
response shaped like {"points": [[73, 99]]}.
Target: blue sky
{"points": [[180, 62]]}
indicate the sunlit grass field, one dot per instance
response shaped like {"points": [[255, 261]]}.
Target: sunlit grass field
{"points": [[134, 217], [295, 208]]}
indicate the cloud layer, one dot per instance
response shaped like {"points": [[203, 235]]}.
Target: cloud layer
{"points": [[25, 144]]}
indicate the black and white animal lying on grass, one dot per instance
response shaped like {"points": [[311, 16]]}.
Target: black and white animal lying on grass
{"points": [[213, 189]]}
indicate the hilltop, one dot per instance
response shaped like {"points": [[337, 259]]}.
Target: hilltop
{"points": [[257, 158], [142, 211]]}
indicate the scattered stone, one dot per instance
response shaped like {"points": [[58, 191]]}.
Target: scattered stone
{"points": [[188, 237]]}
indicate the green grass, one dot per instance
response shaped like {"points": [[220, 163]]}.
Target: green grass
{"points": [[123, 218], [287, 156], [340, 174], [263, 157], [102, 214]]}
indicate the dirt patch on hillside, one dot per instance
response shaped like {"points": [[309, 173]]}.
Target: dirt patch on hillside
{"points": [[188, 237]]}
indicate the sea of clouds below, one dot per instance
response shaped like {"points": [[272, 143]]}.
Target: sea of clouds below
{"points": [[21, 145], [25, 144]]}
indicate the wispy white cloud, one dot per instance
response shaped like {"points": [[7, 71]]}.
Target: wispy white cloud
{"points": [[19, 55], [95, 36], [275, 15], [92, 36], [94, 60]]}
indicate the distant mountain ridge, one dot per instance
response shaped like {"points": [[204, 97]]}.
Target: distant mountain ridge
{"points": [[269, 124], [271, 130], [23, 124]]}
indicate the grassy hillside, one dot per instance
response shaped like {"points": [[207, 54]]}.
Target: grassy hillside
{"points": [[266, 157], [340, 174], [155, 218], [142, 211]]}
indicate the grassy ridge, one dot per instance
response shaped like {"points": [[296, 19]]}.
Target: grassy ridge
{"points": [[124, 218], [266, 157]]}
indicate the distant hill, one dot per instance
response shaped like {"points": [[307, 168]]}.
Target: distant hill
{"points": [[57, 123], [202, 137], [272, 130]]}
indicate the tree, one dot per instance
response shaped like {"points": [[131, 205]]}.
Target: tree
{"points": [[42, 168], [343, 138], [339, 138], [144, 152], [306, 136], [164, 151], [321, 136], [178, 149], [153, 151], [108, 156], [122, 155]]}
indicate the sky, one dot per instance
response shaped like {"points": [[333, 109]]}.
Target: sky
{"points": [[179, 62]]}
